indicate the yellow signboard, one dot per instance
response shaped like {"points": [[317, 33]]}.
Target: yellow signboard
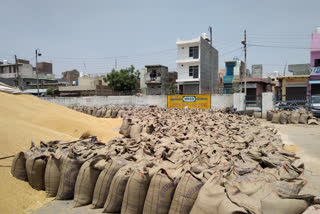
{"points": [[189, 101]]}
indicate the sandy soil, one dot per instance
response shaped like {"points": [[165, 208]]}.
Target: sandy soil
{"points": [[24, 118]]}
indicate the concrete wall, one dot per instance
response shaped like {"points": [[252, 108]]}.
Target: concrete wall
{"points": [[267, 103], [143, 101], [221, 101], [239, 101]]}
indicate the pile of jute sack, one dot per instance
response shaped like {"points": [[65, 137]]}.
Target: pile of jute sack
{"points": [[301, 116], [173, 161], [106, 112]]}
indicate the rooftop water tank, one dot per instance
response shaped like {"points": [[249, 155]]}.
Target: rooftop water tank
{"points": [[5, 62]]}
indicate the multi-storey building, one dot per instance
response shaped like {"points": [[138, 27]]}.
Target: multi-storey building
{"points": [[197, 66], [156, 79]]}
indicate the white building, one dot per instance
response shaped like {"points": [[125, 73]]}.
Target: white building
{"points": [[197, 66]]}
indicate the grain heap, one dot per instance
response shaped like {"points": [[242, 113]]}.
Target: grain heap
{"points": [[177, 161]]}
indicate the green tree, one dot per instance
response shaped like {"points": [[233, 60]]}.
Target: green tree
{"points": [[123, 80], [50, 92], [172, 89]]}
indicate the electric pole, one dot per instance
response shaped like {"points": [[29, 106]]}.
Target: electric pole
{"points": [[37, 54], [115, 63], [244, 42], [17, 71]]}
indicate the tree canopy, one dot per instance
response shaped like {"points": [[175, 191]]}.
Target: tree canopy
{"points": [[123, 80]]}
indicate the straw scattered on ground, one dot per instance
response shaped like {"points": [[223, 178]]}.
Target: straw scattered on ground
{"points": [[24, 118]]}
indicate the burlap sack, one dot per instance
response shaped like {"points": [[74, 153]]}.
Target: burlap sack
{"points": [[116, 191], [269, 115], [125, 127], [103, 183], [294, 117], [160, 193], [135, 193], [52, 176], [135, 130], [94, 112], [18, 167], [99, 113], [69, 173], [283, 118], [276, 117], [108, 113], [36, 166], [86, 180], [304, 118], [114, 113], [186, 193], [212, 198]]}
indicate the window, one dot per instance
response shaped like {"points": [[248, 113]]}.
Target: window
{"points": [[194, 52], [317, 63], [159, 74], [194, 71]]}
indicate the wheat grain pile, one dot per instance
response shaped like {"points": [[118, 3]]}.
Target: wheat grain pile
{"points": [[24, 118]]}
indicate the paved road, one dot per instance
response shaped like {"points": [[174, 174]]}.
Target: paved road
{"points": [[306, 139]]}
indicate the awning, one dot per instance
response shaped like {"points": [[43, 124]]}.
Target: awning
{"points": [[296, 85], [314, 82]]}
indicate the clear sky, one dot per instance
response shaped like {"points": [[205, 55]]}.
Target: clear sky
{"points": [[90, 35]]}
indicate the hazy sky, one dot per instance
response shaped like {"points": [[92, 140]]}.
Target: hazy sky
{"points": [[89, 35]]}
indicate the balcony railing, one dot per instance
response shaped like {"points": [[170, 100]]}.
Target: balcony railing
{"points": [[149, 79]]}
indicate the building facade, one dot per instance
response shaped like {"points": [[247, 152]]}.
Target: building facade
{"points": [[156, 79], [23, 75], [314, 79], [197, 66], [232, 79], [88, 86], [71, 76]]}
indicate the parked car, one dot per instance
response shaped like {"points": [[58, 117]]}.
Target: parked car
{"points": [[315, 105]]}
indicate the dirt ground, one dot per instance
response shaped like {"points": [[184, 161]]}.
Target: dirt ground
{"points": [[24, 118]]}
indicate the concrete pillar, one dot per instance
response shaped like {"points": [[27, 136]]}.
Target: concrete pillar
{"points": [[239, 101], [267, 103]]}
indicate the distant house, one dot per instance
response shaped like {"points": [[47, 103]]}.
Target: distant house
{"points": [[197, 66], [156, 79], [24, 75], [88, 86], [71, 76]]}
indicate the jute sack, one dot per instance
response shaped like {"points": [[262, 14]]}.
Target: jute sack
{"points": [[116, 191], [114, 113], [135, 193], [276, 118], [86, 180], [160, 193], [125, 127], [283, 118], [108, 113], [18, 167], [304, 118], [69, 173], [135, 130], [105, 178], [269, 115], [52, 176], [186, 193], [294, 117], [212, 198], [36, 166]]}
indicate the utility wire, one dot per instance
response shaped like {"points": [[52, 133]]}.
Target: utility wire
{"points": [[271, 46]]}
